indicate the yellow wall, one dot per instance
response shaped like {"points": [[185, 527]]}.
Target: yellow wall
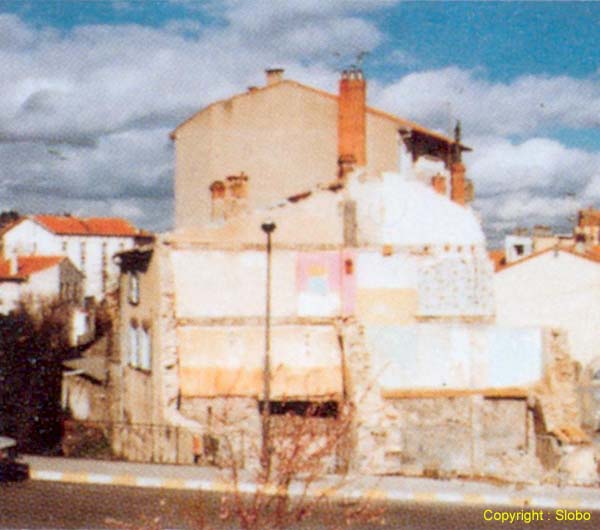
{"points": [[387, 306]]}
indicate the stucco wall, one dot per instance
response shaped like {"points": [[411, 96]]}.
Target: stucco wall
{"points": [[10, 292], [28, 237], [249, 132], [555, 290], [43, 284]]}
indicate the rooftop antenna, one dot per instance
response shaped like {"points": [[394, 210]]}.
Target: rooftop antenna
{"points": [[358, 59], [457, 140]]}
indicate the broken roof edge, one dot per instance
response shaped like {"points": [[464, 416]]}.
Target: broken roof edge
{"points": [[372, 110]]}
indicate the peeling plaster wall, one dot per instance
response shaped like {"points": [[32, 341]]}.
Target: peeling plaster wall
{"points": [[388, 311], [454, 356], [229, 361]]}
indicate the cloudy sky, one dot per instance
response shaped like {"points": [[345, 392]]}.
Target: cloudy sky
{"points": [[90, 90]]}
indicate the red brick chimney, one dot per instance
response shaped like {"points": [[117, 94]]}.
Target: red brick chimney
{"points": [[457, 171], [352, 119], [457, 180]]}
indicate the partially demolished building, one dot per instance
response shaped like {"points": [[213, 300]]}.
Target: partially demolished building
{"points": [[374, 290]]}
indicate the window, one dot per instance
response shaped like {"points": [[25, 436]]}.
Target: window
{"points": [[519, 250], [133, 344], [134, 288], [140, 346], [145, 346]]}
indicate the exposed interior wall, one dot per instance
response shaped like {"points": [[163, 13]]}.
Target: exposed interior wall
{"points": [[229, 361], [444, 436]]}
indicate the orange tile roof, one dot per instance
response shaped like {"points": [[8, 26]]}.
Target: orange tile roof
{"points": [[110, 226], [589, 254], [93, 226], [588, 217], [4, 269], [28, 265]]}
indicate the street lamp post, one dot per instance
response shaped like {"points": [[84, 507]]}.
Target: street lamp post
{"points": [[268, 228]]}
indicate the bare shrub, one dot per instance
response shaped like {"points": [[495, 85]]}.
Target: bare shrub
{"points": [[305, 447]]}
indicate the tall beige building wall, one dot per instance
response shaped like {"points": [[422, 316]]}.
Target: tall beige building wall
{"points": [[284, 137]]}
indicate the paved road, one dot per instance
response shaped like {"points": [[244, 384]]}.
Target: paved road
{"points": [[76, 506]]}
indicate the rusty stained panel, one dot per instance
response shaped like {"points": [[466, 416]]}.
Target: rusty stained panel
{"points": [[219, 361]]}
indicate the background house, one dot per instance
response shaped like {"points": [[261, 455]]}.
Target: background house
{"points": [[38, 281], [89, 243], [558, 288]]}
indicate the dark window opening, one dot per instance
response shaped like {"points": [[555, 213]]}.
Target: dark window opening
{"points": [[325, 409], [519, 249]]}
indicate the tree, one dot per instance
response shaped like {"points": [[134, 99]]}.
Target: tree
{"points": [[9, 216], [33, 342]]}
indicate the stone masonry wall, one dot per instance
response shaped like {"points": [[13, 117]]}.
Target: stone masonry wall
{"points": [[229, 431], [443, 436]]}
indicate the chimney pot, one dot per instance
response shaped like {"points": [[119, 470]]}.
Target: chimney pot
{"points": [[274, 76], [217, 196], [236, 195]]}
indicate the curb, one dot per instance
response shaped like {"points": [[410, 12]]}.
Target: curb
{"points": [[406, 495]]}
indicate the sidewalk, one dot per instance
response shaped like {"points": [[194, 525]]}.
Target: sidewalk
{"points": [[367, 487]]}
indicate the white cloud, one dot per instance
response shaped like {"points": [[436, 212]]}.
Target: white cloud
{"points": [[14, 34], [85, 118], [538, 181], [523, 106], [105, 97], [539, 164]]}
